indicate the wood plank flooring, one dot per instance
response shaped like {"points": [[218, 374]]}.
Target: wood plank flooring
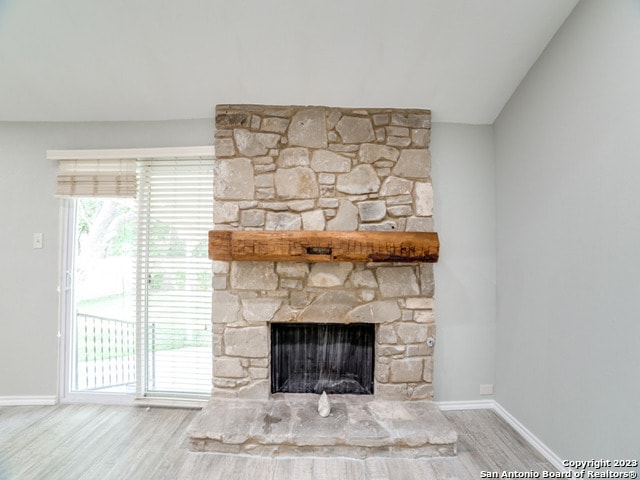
{"points": [[113, 442]]}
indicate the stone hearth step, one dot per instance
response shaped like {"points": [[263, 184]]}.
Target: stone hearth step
{"points": [[289, 425]]}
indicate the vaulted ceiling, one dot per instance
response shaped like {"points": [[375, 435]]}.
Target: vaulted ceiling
{"points": [[91, 60]]}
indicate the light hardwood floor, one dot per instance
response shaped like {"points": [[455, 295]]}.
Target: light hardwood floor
{"points": [[113, 442]]}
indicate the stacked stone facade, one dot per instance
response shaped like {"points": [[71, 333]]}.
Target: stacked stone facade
{"points": [[320, 168]]}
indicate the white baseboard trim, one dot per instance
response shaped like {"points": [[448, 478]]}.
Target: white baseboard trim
{"points": [[15, 401], [534, 441], [467, 405]]}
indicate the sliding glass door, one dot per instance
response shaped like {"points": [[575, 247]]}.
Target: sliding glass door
{"points": [[137, 286]]}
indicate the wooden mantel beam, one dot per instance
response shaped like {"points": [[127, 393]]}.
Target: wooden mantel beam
{"points": [[323, 246]]}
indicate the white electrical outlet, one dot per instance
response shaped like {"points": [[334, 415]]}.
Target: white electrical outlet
{"points": [[37, 240], [486, 389]]}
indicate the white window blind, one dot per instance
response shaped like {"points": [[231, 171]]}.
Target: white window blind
{"points": [[96, 178], [175, 208]]}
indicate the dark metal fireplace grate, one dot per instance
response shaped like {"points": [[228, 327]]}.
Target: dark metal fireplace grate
{"points": [[312, 358]]}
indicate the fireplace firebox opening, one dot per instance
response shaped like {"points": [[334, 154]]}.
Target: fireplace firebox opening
{"points": [[317, 357]]}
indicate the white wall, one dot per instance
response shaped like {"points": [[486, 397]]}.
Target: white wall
{"points": [[28, 277], [464, 214], [567, 149], [463, 182]]}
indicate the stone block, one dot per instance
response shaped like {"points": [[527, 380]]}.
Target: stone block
{"points": [[327, 161], [419, 350], [253, 218], [346, 218], [422, 392], [293, 157], [292, 270], [400, 211], [372, 152], [387, 226], [258, 373], [412, 332], [219, 282], [260, 310], [313, 220], [355, 129], [398, 141], [231, 119], [397, 281], [224, 147], [380, 119], [428, 370], [339, 147], [367, 295], [253, 276], [389, 391], [330, 306], [393, 186], [399, 200], [296, 183], [375, 312], [332, 118], [419, 303], [414, 120], [220, 267], [254, 144], [227, 367], [362, 179], [421, 137], [225, 212], [329, 274], [387, 335], [391, 350], [423, 204], [265, 193], [327, 190], [234, 179], [372, 211], [256, 390], [250, 342], [283, 221], [255, 122], [225, 307], [301, 205], [420, 224], [328, 202], [364, 278], [406, 370], [264, 180], [413, 163], [308, 128], [427, 282], [274, 124], [424, 316], [291, 283], [394, 131], [381, 372], [224, 383], [326, 179]]}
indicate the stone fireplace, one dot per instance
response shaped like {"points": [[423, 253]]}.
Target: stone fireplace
{"points": [[334, 169]]}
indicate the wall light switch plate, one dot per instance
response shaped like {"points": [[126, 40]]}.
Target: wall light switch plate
{"points": [[486, 389], [37, 240]]}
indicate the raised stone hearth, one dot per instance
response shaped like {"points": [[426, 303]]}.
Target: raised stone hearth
{"points": [[289, 425]]}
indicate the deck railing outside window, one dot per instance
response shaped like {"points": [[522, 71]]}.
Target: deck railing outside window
{"points": [[105, 353]]}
